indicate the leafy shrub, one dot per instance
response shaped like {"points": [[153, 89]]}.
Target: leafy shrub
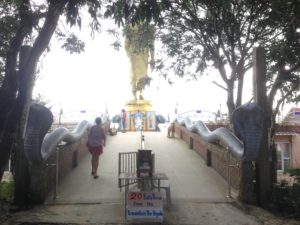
{"points": [[285, 199], [6, 191], [295, 173]]}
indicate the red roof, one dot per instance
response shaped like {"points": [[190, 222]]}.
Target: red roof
{"points": [[287, 128]]}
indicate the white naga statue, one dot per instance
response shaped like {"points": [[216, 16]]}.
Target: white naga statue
{"points": [[139, 45]]}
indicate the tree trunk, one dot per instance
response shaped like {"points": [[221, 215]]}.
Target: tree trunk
{"points": [[239, 94], [22, 170], [230, 98], [21, 175], [272, 147], [246, 193], [10, 113], [273, 163], [8, 100], [263, 178]]}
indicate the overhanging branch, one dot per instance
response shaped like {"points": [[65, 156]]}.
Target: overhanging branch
{"points": [[219, 85]]}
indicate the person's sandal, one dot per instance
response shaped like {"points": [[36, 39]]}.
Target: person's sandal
{"points": [[96, 176]]}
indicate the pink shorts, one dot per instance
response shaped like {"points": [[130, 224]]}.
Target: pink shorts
{"points": [[96, 150]]}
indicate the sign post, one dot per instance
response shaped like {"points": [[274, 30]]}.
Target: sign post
{"points": [[144, 207]]}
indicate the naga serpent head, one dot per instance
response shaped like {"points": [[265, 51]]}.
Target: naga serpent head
{"points": [[248, 122]]}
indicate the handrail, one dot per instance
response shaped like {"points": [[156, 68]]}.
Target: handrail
{"points": [[248, 123], [38, 145], [220, 134], [60, 134]]}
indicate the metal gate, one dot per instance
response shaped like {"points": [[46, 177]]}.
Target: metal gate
{"points": [[127, 164]]}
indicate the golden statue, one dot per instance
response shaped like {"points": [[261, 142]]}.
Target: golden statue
{"points": [[139, 45]]}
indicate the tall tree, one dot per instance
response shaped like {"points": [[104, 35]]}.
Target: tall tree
{"points": [[36, 23], [221, 34], [283, 56], [283, 65], [217, 34]]}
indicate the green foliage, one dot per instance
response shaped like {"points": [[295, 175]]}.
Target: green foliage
{"points": [[6, 191], [198, 35], [39, 99], [8, 26], [140, 36], [294, 172], [73, 44], [136, 12], [285, 200], [283, 53], [202, 35]]}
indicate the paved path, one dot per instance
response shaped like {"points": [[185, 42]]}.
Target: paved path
{"points": [[198, 192]]}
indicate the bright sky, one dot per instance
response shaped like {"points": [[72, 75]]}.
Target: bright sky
{"points": [[101, 75]]}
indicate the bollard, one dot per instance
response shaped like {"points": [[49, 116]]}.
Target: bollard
{"points": [[191, 144], [228, 175], [56, 164], [56, 173], [142, 140], [208, 157]]}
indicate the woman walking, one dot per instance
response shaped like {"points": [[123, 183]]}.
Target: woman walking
{"points": [[96, 142], [123, 120]]}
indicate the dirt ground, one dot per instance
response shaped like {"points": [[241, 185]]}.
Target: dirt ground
{"points": [[265, 217]]}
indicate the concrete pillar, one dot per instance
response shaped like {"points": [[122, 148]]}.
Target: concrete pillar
{"points": [[263, 178], [191, 144]]}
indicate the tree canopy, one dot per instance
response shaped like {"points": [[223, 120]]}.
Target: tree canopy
{"points": [[198, 35], [221, 34], [8, 26], [283, 54]]}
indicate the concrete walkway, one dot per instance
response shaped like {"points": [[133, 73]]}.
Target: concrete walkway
{"points": [[198, 192]]}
